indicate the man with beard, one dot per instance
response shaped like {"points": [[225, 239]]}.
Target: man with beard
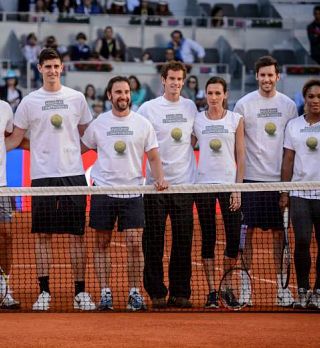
{"points": [[121, 138], [266, 113]]}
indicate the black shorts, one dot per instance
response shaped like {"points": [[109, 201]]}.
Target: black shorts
{"points": [[105, 210], [261, 209], [5, 209], [59, 214]]}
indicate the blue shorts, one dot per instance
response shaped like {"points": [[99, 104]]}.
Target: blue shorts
{"points": [[105, 210], [261, 209]]}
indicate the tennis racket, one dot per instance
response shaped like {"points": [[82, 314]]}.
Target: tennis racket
{"points": [[285, 257], [4, 284], [235, 286]]}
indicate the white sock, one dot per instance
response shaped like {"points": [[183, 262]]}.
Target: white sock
{"points": [[105, 291], [133, 290], [279, 284]]}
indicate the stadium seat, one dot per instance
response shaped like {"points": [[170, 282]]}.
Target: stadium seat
{"points": [[157, 53], [133, 54], [227, 9], [248, 11], [212, 56], [251, 57], [284, 56], [205, 9]]}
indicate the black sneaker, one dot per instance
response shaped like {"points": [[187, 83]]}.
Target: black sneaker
{"points": [[212, 300], [179, 302], [229, 299]]}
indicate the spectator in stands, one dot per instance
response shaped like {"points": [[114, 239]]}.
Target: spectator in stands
{"points": [[173, 117], [88, 7], [162, 9], [226, 166], [313, 30], [118, 7], [132, 4], [185, 49], [108, 47], [266, 113], [80, 51], [97, 107], [217, 16], [192, 91], [31, 51], [90, 94], [66, 7], [42, 7], [138, 93], [6, 126], [144, 9], [146, 58], [56, 117], [51, 42], [169, 55], [301, 163], [10, 93], [120, 132]]}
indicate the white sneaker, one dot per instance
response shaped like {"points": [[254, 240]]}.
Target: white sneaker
{"points": [[3, 286], [284, 297], [245, 292], [9, 302], [303, 299], [83, 301], [43, 302], [314, 301]]}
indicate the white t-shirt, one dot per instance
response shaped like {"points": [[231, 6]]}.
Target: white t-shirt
{"points": [[111, 167], [6, 125], [264, 151], [55, 152], [216, 166], [176, 155], [306, 160]]}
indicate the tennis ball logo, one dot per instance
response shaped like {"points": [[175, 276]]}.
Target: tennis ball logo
{"points": [[56, 120], [312, 143], [270, 128], [176, 134], [120, 146], [215, 144]]}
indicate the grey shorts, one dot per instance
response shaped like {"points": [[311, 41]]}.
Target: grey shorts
{"points": [[5, 209]]}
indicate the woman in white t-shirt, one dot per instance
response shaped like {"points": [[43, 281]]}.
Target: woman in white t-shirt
{"points": [[301, 163], [220, 134]]}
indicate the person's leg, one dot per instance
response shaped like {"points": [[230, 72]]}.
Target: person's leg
{"points": [[153, 245], [302, 226], [206, 207], [181, 215], [315, 204]]}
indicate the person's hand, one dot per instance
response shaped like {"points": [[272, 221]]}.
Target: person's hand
{"points": [[161, 185], [284, 200], [235, 201]]}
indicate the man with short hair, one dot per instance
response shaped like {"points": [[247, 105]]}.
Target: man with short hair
{"points": [[56, 117], [266, 113], [185, 49], [6, 126], [172, 116], [121, 137]]}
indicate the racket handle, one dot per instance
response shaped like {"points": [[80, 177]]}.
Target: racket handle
{"points": [[243, 233]]}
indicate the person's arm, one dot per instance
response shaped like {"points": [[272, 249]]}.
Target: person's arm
{"points": [[235, 198], [84, 148], [198, 49], [15, 139], [156, 169], [194, 140], [82, 128], [286, 175]]}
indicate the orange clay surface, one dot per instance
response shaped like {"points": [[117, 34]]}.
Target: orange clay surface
{"points": [[160, 330]]}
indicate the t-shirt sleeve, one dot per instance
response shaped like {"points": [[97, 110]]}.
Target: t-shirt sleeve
{"points": [[89, 138], [85, 112], [239, 108], [21, 117], [9, 125], [143, 110], [288, 143], [151, 139]]}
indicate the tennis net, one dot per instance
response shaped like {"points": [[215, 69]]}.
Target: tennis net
{"points": [[119, 267]]}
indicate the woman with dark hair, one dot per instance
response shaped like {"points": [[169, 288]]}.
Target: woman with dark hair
{"points": [[90, 94], [301, 163], [138, 93], [10, 93], [191, 91], [220, 134]]}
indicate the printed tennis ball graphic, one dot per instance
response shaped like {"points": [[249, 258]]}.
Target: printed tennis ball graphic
{"points": [[56, 121], [270, 128], [120, 146], [176, 134], [215, 144], [312, 143]]}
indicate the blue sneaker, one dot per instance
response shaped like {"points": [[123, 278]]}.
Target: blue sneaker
{"points": [[106, 301], [136, 302]]}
